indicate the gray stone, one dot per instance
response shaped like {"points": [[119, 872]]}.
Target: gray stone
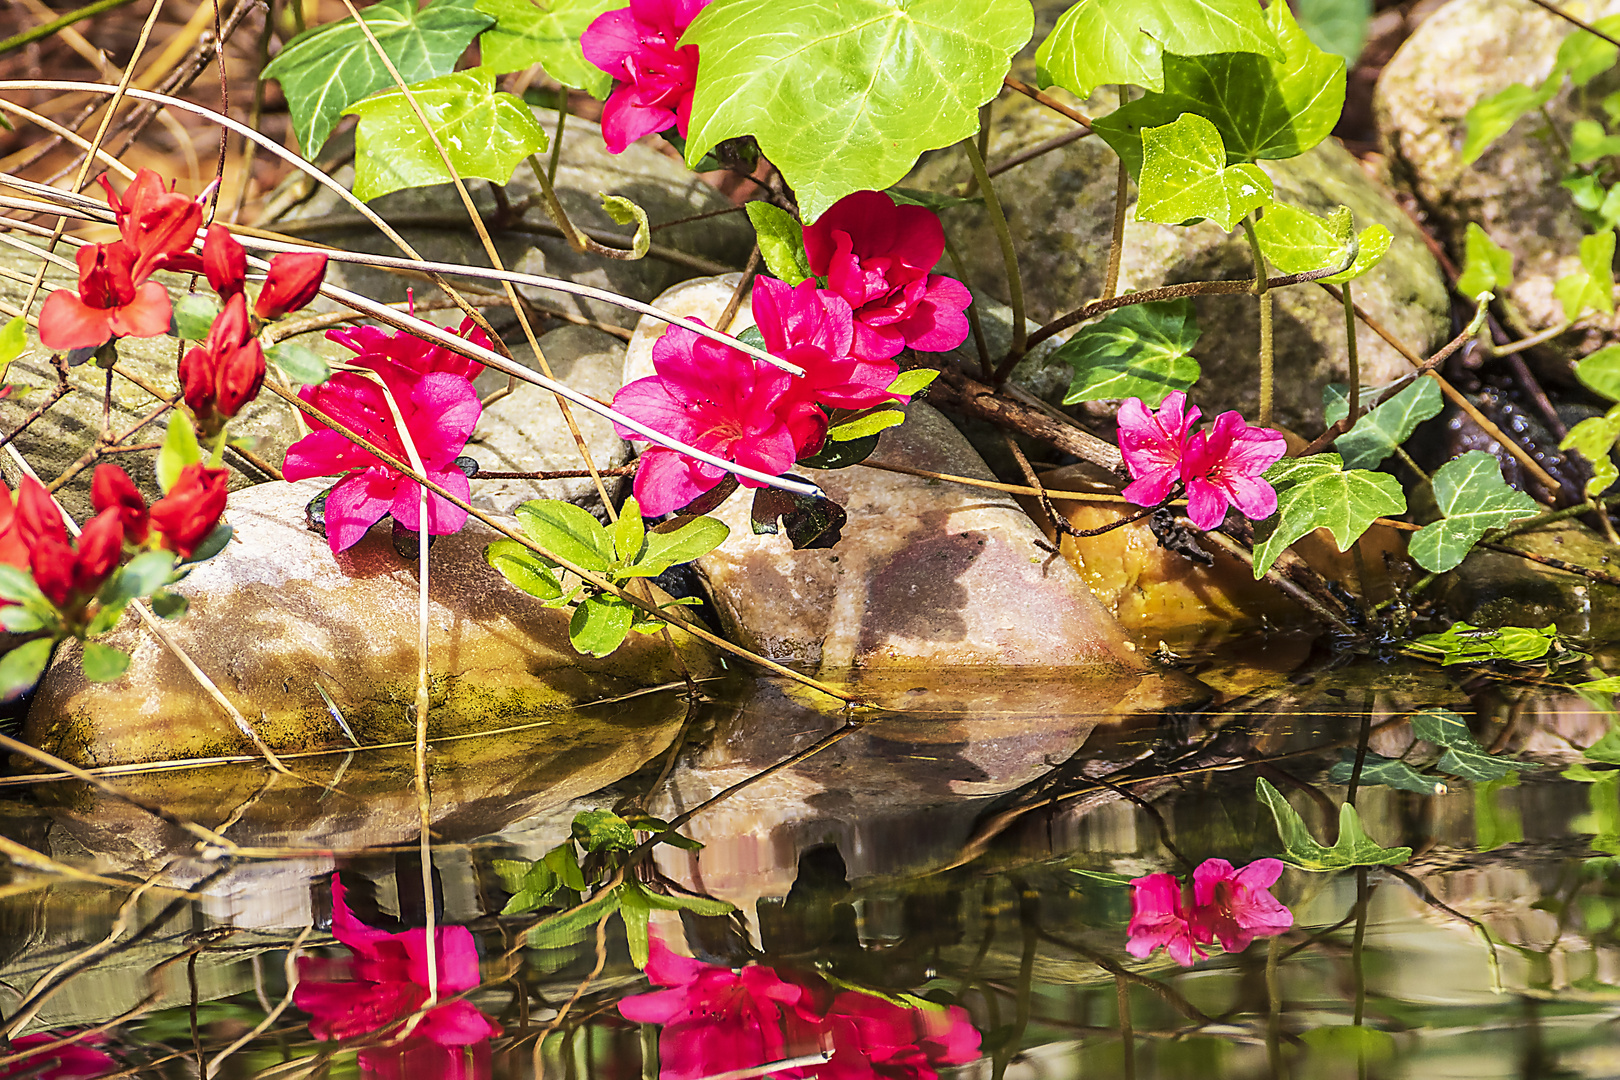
{"points": [[1491, 588], [434, 222], [1060, 209], [276, 613], [1466, 51]]}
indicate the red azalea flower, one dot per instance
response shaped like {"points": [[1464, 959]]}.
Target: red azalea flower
{"points": [[225, 372], [877, 256], [111, 488], [815, 329], [189, 512], [224, 261], [400, 357], [69, 576], [294, 280], [111, 302], [717, 399], [384, 981], [38, 518], [76, 1061], [13, 549], [157, 223], [638, 46], [1236, 906]]}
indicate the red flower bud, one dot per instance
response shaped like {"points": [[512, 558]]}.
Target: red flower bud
{"points": [[111, 489], [224, 261], [238, 377], [38, 519], [69, 577], [191, 509], [226, 371], [230, 327], [295, 279]]}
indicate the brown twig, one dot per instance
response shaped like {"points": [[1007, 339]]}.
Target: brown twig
{"points": [[1045, 99], [959, 393]]}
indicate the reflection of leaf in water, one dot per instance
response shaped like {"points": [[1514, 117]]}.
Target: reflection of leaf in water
{"points": [[1354, 847], [1377, 769], [1494, 823], [1602, 820]]}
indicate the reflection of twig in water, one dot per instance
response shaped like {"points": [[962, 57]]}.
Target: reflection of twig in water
{"points": [[291, 970], [1416, 885], [1169, 994], [1152, 812]]}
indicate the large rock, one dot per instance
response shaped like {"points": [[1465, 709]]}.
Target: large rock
{"points": [[1467, 51], [1492, 588], [1060, 208], [928, 576], [277, 613], [433, 220]]}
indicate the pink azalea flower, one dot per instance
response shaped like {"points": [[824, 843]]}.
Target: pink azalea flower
{"points": [[76, 1061], [815, 329], [638, 46], [384, 981], [1157, 918], [1235, 907], [1224, 465], [874, 1037], [401, 357], [1153, 444], [719, 400], [440, 411], [877, 256]]}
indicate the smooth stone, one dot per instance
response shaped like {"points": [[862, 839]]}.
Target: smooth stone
{"points": [[1467, 51], [525, 431], [660, 185], [1060, 208], [277, 610], [1491, 588], [928, 575]]}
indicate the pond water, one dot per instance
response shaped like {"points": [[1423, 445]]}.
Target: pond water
{"points": [[940, 891]]}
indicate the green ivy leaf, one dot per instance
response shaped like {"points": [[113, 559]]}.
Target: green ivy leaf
{"points": [[1464, 757], [1339, 26], [1377, 769], [1593, 284], [524, 569], [526, 33], [1474, 498], [485, 133], [1185, 176], [21, 668], [13, 340], [624, 212], [326, 69], [301, 365], [1486, 267], [693, 539], [1354, 847], [1594, 439], [863, 427], [1585, 56], [913, 382], [1380, 430], [1494, 116], [844, 97], [1588, 142], [1316, 492], [1477, 768], [1600, 372], [569, 532], [599, 625], [1465, 644], [1263, 108], [781, 242], [179, 449], [103, 663], [1123, 41], [602, 830], [1297, 242], [1144, 351]]}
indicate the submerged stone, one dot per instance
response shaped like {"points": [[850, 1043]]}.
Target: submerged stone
{"points": [[1492, 588], [277, 615]]}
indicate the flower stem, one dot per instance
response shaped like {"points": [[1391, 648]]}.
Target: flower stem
{"points": [[1352, 362], [1264, 293], [1116, 250], [556, 140], [1015, 284]]}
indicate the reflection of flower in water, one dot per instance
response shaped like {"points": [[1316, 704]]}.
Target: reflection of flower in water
{"points": [[385, 981], [1234, 906], [73, 1062], [720, 1019]]}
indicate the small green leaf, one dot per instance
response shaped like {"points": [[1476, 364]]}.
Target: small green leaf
{"points": [[630, 532], [18, 585], [146, 573], [1593, 284], [168, 605], [911, 383], [13, 340], [781, 242], [547, 34], [302, 366], [1585, 56], [599, 624], [1185, 176], [1144, 350], [841, 455], [1380, 430], [485, 133], [1316, 492], [192, 315], [863, 427], [695, 538], [1339, 26], [1474, 498], [103, 663], [931, 200], [603, 830], [562, 862], [636, 913], [624, 212], [1124, 41], [1600, 372], [327, 68], [1354, 847], [1492, 117], [1262, 107], [523, 568], [1486, 267], [1594, 439], [1297, 242], [811, 521], [1588, 142], [569, 532], [212, 545], [19, 620], [845, 97], [180, 449], [1376, 769], [21, 668], [568, 928], [1465, 644]]}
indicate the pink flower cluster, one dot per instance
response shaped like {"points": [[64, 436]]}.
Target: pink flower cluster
{"points": [[718, 1020], [639, 47], [1230, 906], [385, 981], [433, 389], [879, 299], [1220, 466]]}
